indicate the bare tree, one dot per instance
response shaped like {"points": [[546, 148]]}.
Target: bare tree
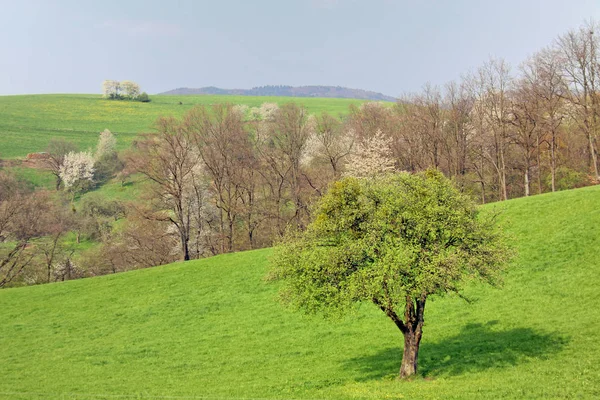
{"points": [[225, 149], [21, 221], [542, 74], [524, 117], [331, 142], [581, 70], [170, 160], [458, 103], [493, 110]]}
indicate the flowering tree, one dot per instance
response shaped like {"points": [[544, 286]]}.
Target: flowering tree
{"points": [[266, 112], [76, 170], [107, 144], [116, 90], [130, 89], [110, 89], [371, 157]]}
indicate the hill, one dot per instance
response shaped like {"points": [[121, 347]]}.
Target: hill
{"points": [[212, 328], [289, 91], [27, 123]]}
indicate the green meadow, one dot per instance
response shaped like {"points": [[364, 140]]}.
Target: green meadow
{"points": [[212, 329], [28, 122]]}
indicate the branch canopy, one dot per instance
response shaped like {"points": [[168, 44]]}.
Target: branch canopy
{"points": [[386, 239]]}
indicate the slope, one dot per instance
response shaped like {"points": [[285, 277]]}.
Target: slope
{"points": [[27, 123], [212, 329]]}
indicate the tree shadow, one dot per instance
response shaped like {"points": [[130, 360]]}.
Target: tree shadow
{"points": [[476, 348]]}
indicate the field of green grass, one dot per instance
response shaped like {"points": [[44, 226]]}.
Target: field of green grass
{"points": [[213, 329], [28, 122]]}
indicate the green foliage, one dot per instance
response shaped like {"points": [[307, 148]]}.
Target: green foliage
{"points": [[143, 97], [387, 239], [97, 215], [567, 178], [107, 166], [97, 205]]}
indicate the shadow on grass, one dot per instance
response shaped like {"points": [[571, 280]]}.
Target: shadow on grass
{"points": [[476, 348]]}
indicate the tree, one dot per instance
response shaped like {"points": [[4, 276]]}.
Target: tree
{"points": [[58, 221], [111, 89], [581, 70], [107, 162], [171, 161], [77, 170], [131, 89], [288, 136], [56, 151], [393, 241], [542, 75], [21, 221], [371, 157], [330, 142], [525, 116], [107, 144], [225, 150]]}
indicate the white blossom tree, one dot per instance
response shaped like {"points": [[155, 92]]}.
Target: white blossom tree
{"points": [[371, 157], [130, 89], [107, 144], [266, 112], [77, 170], [111, 89]]}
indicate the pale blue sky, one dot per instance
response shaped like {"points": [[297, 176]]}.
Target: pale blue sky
{"points": [[393, 47]]}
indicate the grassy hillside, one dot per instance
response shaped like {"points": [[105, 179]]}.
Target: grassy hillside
{"points": [[212, 328], [28, 122]]}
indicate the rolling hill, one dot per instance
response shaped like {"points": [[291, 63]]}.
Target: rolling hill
{"points": [[28, 122], [212, 329]]}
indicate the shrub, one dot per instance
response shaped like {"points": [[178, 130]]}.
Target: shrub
{"points": [[143, 97], [567, 178]]}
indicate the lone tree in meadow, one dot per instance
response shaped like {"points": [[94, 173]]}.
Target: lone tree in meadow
{"points": [[392, 240]]}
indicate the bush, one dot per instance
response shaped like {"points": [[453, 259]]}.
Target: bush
{"points": [[567, 178], [107, 166], [143, 97]]}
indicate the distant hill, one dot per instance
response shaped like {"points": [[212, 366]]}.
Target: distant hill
{"points": [[290, 91]]}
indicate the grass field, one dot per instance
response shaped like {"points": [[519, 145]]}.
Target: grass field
{"points": [[28, 122], [212, 329]]}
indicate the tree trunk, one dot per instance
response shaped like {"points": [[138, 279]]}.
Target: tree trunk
{"points": [[594, 157], [412, 331], [539, 164], [410, 356], [527, 189], [553, 161], [503, 175], [185, 248]]}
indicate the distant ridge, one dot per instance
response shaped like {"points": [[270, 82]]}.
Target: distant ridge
{"points": [[291, 91]]}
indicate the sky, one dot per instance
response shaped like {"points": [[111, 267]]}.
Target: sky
{"points": [[388, 46]]}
